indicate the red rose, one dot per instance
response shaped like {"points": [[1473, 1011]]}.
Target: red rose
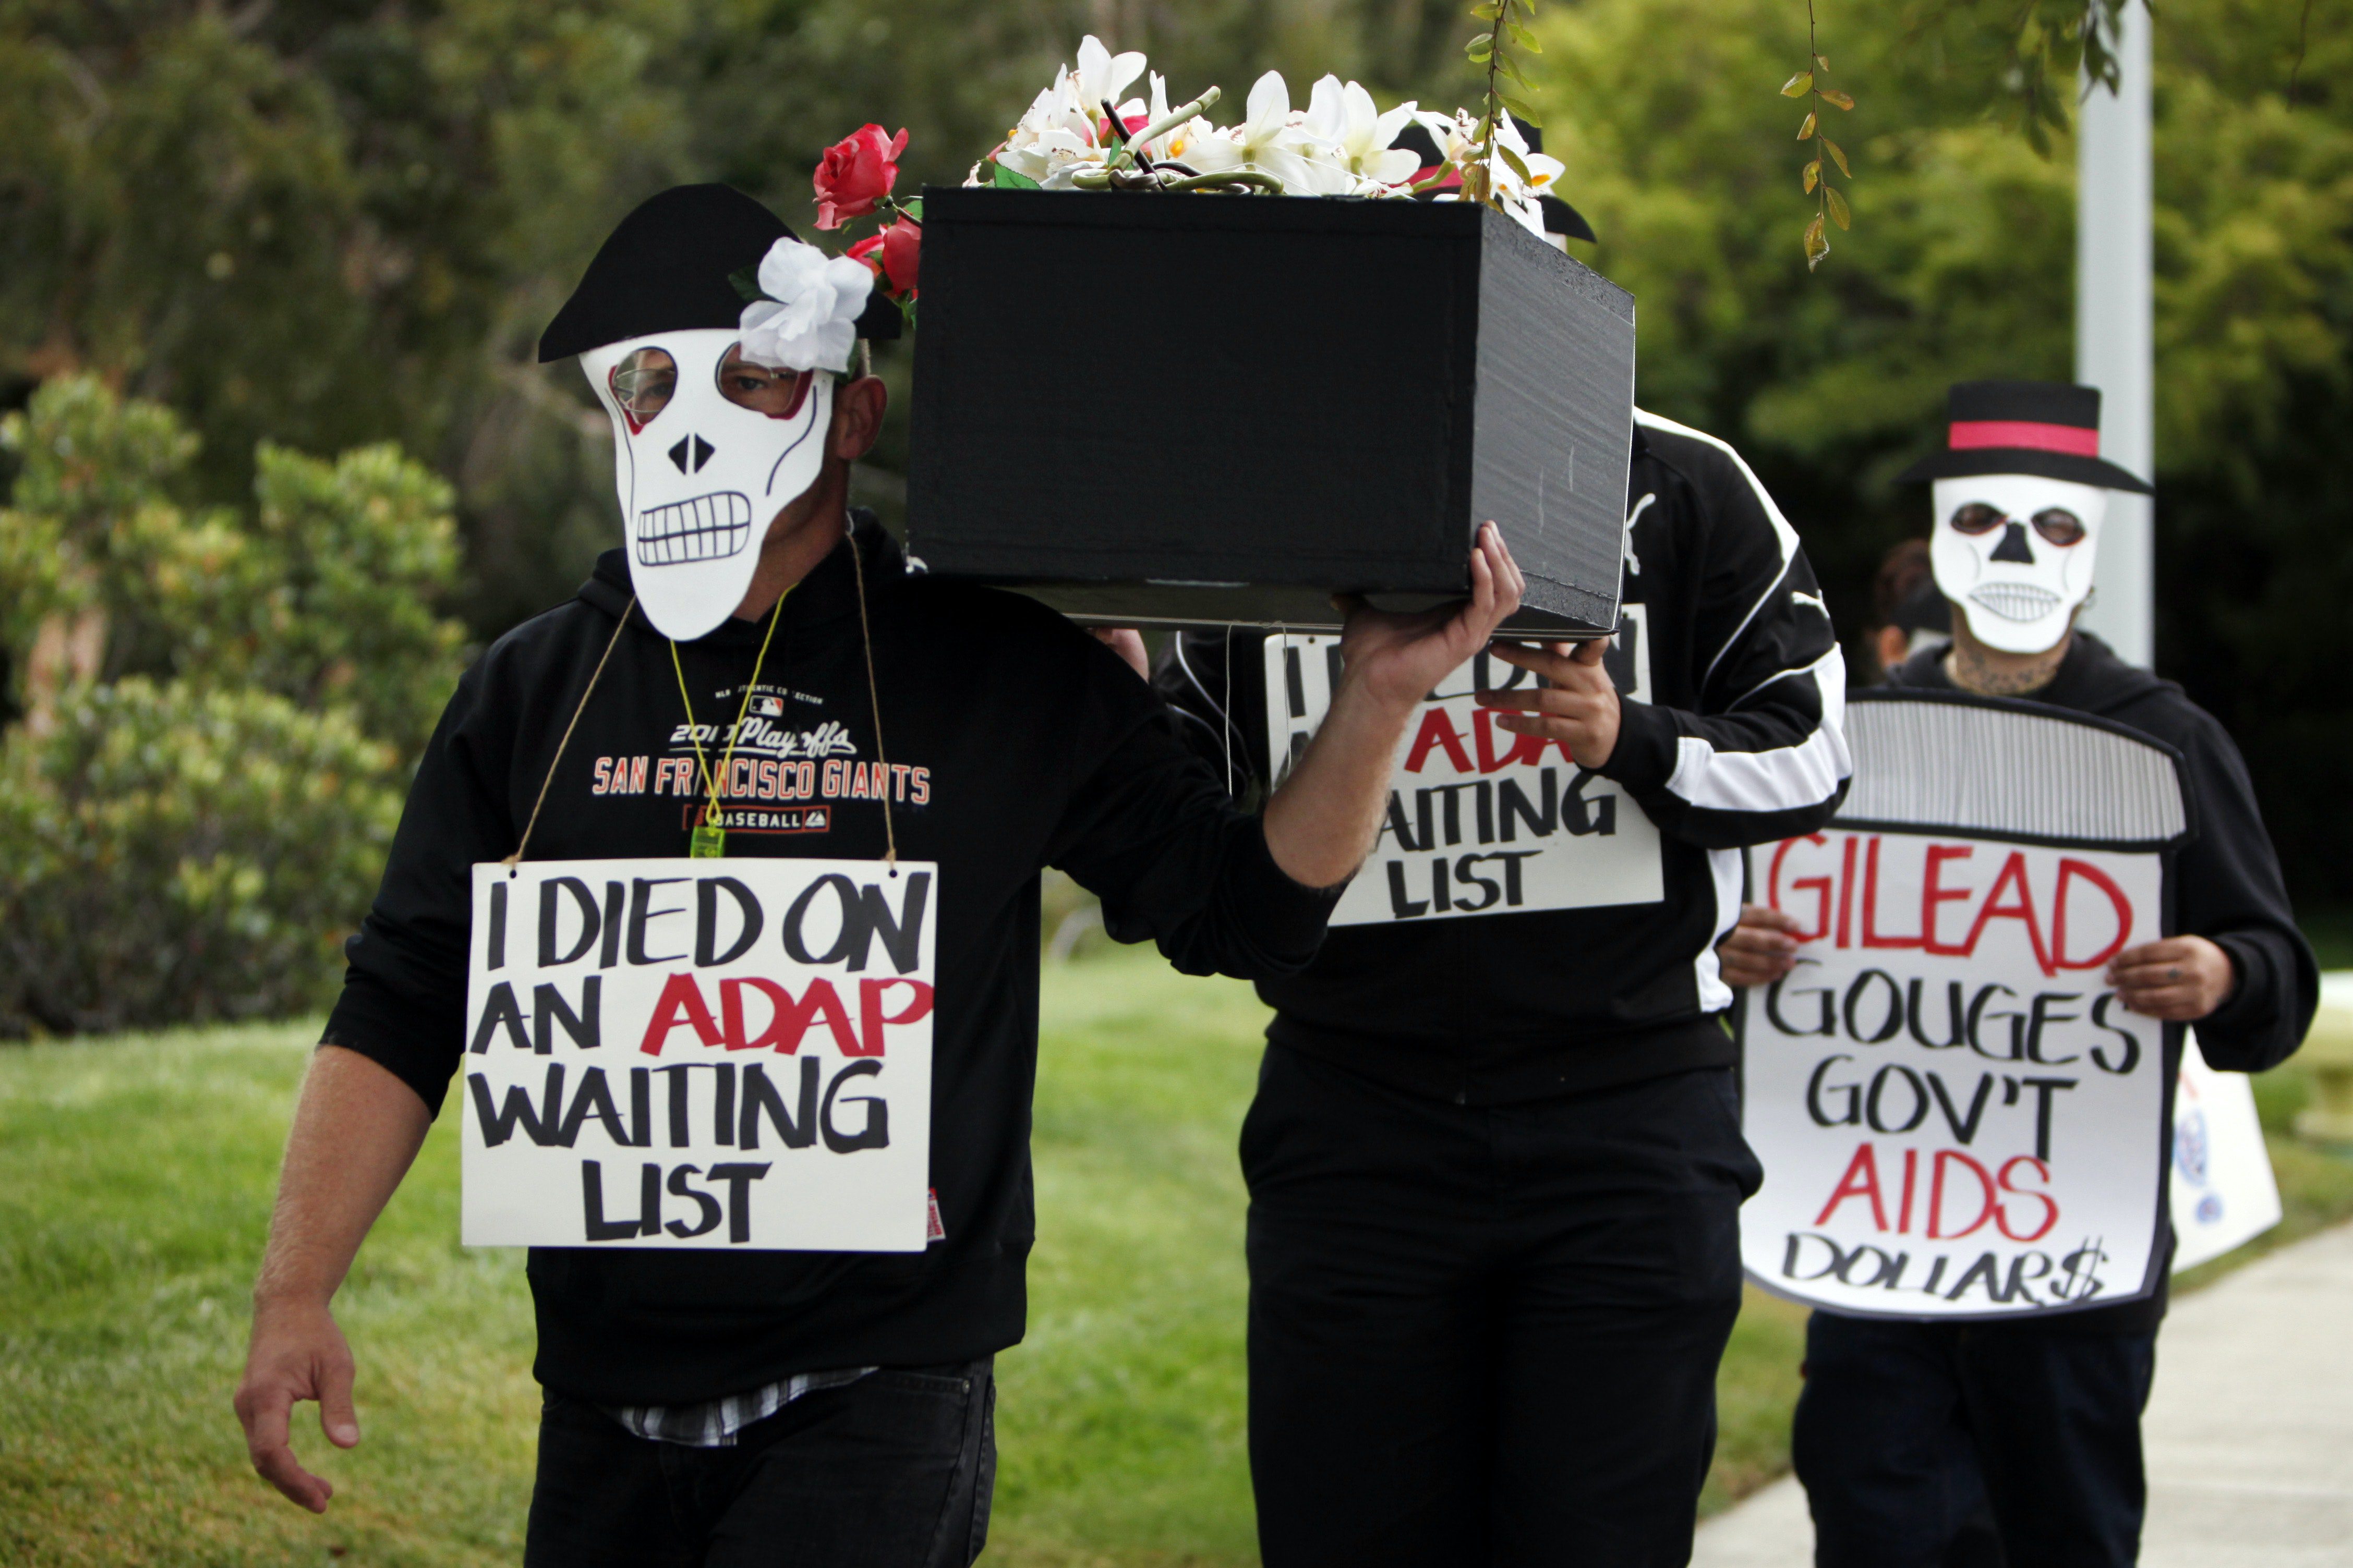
{"points": [[903, 244], [858, 170], [893, 255]]}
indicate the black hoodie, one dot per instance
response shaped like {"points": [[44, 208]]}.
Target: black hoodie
{"points": [[1014, 742], [2226, 885], [1729, 736]]}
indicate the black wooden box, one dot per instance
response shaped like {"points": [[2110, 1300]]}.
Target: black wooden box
{"points": [[1168, 410]]}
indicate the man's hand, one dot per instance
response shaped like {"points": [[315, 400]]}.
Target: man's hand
{"points": [[1126, 642], [1761, 949], [1322, 821], [297, 1353], [1579, 709], [356, 1128], [1395, 660], [2181, 979]]}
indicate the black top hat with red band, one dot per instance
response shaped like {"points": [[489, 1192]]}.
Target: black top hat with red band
{"points": [[2046, 427]]}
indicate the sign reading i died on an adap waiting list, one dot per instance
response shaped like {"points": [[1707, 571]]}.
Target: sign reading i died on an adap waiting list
{"points": [[699, 1052]]}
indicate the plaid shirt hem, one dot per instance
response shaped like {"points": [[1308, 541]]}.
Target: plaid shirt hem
{"points": [[714, 1423]]}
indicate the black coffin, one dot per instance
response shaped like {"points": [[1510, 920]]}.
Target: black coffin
{"points": [[1169, 410]]}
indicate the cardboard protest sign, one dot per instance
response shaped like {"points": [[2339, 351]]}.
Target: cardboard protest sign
{"points": [[1481, 821], [1956, 1116], [2224, 1194], [716, 1053]]}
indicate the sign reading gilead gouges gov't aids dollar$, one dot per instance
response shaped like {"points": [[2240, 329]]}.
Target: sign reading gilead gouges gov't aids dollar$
{"points": [[714, 1053], [1956, 1115]]}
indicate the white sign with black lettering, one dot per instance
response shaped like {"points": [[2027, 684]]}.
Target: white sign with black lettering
{"points": [[1481, 821], [716, 1053], [1956, 1115]]}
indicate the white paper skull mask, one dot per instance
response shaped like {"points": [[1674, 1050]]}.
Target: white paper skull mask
{"points": [[2020, 493], [2015, 551], [713, 339], [708, 447]]}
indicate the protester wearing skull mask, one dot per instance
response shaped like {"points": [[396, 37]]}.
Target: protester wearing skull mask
{"points": [[1494, 1164], [827, 1408], [1908, 1432]]}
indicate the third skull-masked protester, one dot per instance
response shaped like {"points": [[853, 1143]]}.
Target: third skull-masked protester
{"points": [[1495, 1165], [756, 678], [1917, 1441]]}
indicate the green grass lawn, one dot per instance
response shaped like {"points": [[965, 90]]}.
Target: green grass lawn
{"points": [[134, 1184]]}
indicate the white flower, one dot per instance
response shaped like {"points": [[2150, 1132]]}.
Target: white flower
{"points": [[1344, 116], [1517, 197], [1272, 142], [809, 319], [1103, 75], [1062, 130]]}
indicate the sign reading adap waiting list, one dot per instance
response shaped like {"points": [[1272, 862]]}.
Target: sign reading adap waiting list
{"points": [[677, 1053]]}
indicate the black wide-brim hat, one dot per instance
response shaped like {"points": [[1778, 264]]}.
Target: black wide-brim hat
{"points": [[666, 268], [2050, 429], [1559, 218]]}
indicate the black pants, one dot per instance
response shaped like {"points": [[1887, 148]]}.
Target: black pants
{"points": [[1486, 1334], [1905, 1430], [892, 1471]]}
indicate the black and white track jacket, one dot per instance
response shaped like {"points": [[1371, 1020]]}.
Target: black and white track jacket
{"points": [[1525, 927]]}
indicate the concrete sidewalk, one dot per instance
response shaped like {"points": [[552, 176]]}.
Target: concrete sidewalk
{"points": [[2248, 1432]]}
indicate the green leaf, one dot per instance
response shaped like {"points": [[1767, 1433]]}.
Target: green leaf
{"points": [[1524, 39], [915, 209], [1517, 164], [1839, 214], [1005, 179], [1808, 128], [1480, 47], [1838, 156], [1821, 64], [1509, 68], [745, 282], [1835, 99], [1521, 108], [1489, 11], [1799, 85], [1817, 244], [1812, 173]]}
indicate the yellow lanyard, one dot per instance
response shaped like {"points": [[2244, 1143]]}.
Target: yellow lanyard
{"points": [[708, 841]]}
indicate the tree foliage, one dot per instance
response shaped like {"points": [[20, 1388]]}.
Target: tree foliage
{"points": [[216, 713], [1832, 384]]}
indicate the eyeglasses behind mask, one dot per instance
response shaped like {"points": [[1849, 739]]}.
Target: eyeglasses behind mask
{"points": [[644, 383]]}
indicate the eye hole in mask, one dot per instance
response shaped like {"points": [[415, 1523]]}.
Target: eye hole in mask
{"points": [[1978, 518], [642, 385], [2059, 526], [778, 393]]}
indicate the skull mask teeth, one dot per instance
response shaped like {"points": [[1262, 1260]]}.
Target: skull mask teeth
{"points": [[2015, 551], [696, 471]]}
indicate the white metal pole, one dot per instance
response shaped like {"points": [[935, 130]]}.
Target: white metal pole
{"points": [[2113, 331]]}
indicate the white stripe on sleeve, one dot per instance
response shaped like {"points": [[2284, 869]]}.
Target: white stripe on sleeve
{"points": [[1784, 779], [1724, 870]]}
